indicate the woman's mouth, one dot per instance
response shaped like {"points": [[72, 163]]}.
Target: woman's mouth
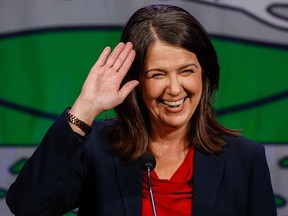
{"points": [[174, 104]]}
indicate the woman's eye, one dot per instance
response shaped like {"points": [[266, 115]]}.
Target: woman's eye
{"points": [[187, 72], [156, 75]]}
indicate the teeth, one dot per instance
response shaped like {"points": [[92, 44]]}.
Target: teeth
{"points": [[174, 103]]}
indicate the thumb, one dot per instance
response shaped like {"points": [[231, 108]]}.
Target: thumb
{"points": [[127, 88]]}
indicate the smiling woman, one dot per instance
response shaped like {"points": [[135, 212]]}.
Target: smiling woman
{"points": [[171, 86], [160, 79]]}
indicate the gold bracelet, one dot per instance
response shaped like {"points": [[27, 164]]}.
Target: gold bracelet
{"points": [[82, 125]]}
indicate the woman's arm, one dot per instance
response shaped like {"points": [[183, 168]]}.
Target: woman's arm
{"points": [[55, 165], [261, 196], [38, 189]]}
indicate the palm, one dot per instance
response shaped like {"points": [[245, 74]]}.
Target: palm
{"points": [[102, 86]]}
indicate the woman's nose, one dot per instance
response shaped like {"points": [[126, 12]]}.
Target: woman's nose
{"points": [[174, 86]]}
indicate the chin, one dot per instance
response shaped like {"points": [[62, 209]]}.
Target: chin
{"points": [[177, 123]]}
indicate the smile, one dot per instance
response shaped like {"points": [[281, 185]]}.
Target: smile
{"points": [[174, 103]]}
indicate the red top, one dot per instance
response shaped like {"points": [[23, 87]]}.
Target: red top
{"points": [[173, 196]]}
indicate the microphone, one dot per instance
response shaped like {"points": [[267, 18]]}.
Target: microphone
{"points": [[148, 163]]}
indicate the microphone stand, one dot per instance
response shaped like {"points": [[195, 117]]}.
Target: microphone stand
{"points": [[148, 163], [151, 191]]}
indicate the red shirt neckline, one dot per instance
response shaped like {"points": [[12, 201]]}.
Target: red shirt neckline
{"points": [[172, 196]]}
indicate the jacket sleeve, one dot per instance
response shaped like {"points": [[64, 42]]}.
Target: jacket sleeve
{"points": [[261, 197], [39, 187]]}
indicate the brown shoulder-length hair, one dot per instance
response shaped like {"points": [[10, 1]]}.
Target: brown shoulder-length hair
{"points": [[175, 26]]}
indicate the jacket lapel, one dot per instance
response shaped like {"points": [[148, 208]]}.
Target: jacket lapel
{"points": [[130, 177], [208, 173]]}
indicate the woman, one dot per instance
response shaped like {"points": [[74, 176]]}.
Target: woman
{"points": [[161, 79]]}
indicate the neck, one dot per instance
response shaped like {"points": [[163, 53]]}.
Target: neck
{"points": [[169, 157], [169, 146], [168, 135]]}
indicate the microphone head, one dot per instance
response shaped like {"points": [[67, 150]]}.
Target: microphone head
{"points": [[147, 160]]}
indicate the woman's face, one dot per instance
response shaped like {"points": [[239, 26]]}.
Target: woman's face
{"points": [[171, 85]]}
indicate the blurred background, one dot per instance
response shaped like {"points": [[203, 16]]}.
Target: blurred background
{"points": [[48, 47]]}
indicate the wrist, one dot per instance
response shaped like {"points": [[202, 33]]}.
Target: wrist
{"points": [[75, 121], [84, 110]]}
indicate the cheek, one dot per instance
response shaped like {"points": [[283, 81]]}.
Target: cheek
{"points": [[198, 87], [194, 86], [151, 90]]}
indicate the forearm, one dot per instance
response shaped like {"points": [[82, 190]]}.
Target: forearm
{"points": [[40, 183]]}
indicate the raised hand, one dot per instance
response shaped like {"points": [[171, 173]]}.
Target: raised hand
{"points": [[101, 90]]}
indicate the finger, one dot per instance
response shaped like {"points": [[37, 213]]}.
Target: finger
{"points": [[123, 56], [127, 63], [114, 54], [103, 57], [127, 88]]}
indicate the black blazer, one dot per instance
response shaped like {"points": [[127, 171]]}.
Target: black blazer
{"points": [[67, 172]]}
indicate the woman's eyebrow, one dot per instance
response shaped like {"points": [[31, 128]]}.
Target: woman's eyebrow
{"points": [[188, 65], [154, 69], [180, 68]]}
